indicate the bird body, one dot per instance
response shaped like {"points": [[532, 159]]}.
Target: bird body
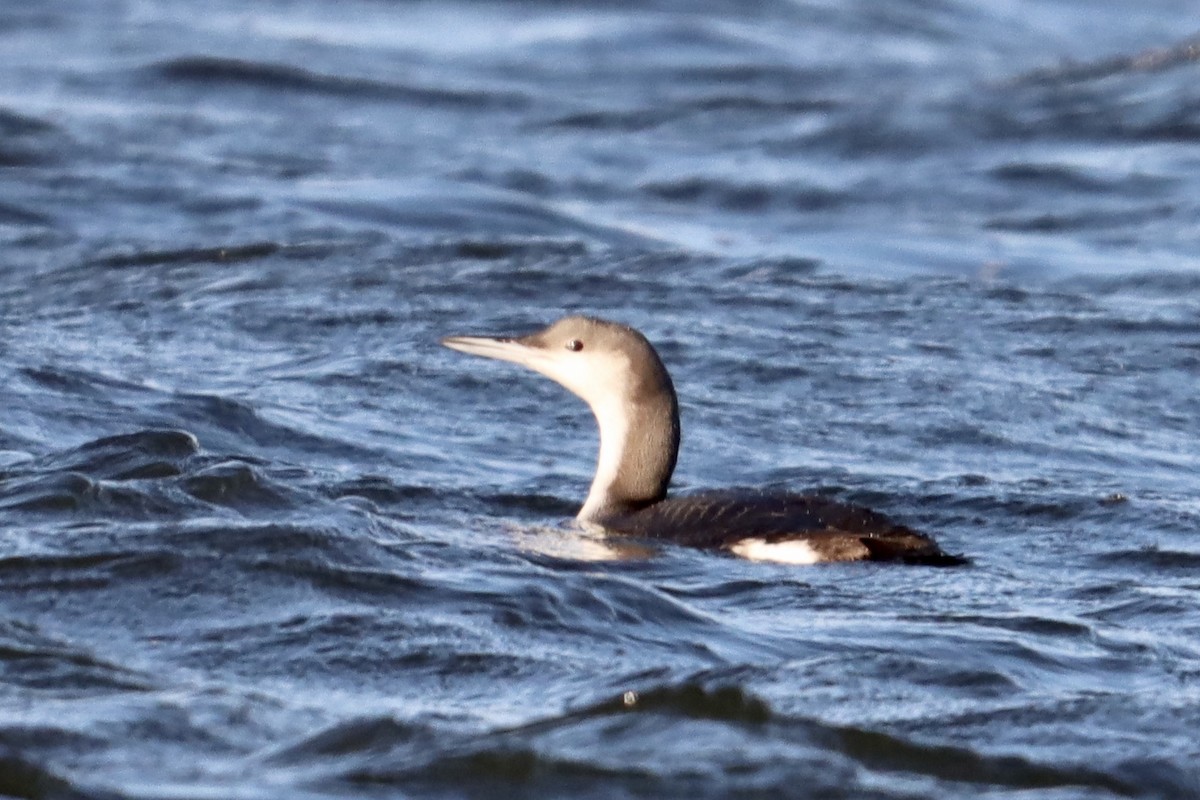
{"points": [[618, 373]]}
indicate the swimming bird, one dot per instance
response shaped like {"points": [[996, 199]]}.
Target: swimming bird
{"points": [[618, 373]]}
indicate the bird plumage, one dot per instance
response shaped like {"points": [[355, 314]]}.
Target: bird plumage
{"points": [[618, 373]]}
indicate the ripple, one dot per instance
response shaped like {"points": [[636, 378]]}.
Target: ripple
{"points": [[835, 761], [112, 475], [231, 424], [229, 254], [725, 703], [77, 381], [626, 120], [234, 484], [469, 215], [964, 766], [86, 570], [1086, 219], [743, 197], [215, 71], [13, 124], [11, 214], [30, 659], [130, 456], [74, 492], [1178, 54], [354, 736], [1155, 560], [24, 778], [27, 141]]}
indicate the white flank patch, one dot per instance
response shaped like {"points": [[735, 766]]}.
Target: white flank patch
{"points": [[793, 552]]}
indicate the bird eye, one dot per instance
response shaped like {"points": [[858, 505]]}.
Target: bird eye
{"points": [[574, 345]]}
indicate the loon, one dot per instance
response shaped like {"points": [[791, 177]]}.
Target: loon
{"points": [[618, 373]]}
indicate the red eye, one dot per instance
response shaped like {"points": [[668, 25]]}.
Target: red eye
{"points": [[574, 345]]}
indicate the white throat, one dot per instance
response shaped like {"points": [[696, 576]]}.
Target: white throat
{"points": [[612, 418]]}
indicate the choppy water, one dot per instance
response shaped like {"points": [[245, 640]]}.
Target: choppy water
{"points": [[261, 537]]}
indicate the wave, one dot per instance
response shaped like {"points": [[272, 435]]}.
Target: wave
{"points": [[36, 661], [1181, 53], [24, 777], [218, 72], [743, 197], [673, 738]]}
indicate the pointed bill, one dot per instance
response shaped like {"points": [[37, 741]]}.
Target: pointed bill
{"points": [[502, 348]]}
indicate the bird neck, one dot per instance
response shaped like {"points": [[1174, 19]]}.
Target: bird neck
{"points": [[639, 442]]}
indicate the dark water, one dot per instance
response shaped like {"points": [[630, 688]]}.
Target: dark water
{"points": [[261, 537]]}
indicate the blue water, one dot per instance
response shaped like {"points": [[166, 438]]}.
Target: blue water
{"points": [[260, 536]]}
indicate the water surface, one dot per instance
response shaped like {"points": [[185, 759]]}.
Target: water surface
{"points": [[261, 536]]}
